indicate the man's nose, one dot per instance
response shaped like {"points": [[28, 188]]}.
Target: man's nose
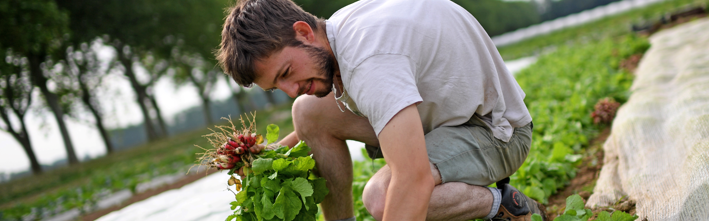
{"points": [[291, 88]]}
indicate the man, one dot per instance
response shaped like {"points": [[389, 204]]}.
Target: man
{"points": [[419, 82]]}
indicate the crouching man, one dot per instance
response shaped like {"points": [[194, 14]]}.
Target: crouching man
{"points": [[419, 82]]}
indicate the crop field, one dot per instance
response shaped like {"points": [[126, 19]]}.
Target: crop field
{"points": [[575, 69]]}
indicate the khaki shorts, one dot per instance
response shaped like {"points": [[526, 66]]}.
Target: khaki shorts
{"points": [[469, 153]]}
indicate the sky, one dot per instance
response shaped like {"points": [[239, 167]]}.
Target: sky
{"points": [[119, 100]]}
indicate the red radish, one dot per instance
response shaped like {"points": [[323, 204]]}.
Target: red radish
{"points": [[233, 144]]}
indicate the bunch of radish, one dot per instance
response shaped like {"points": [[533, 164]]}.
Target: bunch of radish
{"points": [[234, 149], [605, 110]]}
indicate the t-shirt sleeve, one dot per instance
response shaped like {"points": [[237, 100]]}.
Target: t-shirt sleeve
{"points": [[383, 85]]}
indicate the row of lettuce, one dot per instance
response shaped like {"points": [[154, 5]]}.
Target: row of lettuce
{"points": [[561, 89]]}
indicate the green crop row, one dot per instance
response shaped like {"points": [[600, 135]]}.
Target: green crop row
{"points": [[562, 88], [611, 26]]}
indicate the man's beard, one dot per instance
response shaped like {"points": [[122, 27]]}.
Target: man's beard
{"points": [[326, 65]]}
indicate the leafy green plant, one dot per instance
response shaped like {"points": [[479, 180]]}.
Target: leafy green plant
{"points": [[575, 211], [279, 185]]}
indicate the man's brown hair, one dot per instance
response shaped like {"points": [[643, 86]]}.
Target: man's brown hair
{"points": [[253, 30]]}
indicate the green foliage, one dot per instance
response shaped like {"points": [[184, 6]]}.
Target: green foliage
{"points": [[562, 88], [495, 16], [272, 133], [575, 211], [31, 26], [363, 171], [281, 185]]}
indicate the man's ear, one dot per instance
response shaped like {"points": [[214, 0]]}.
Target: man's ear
{"points": [[303, 32]]}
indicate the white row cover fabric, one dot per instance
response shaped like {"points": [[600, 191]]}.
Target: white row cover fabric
{"points": [[658, 150]]}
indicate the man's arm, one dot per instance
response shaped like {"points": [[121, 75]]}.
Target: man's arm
{"points": [[404, 148], [290, 140]]}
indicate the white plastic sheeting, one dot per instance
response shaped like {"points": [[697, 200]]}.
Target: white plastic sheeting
{"points": [[658, 150]]}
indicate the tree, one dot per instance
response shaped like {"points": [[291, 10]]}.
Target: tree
{"points": [[35, 29], [84, 68], [240, 96], [141, 27], [202, 75], [16, 98]]}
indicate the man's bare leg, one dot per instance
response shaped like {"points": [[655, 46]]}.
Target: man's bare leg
{"points": [[321, 124], [449, 201]]}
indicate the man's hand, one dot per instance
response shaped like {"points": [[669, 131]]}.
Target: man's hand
{"points": [[404, 148]]}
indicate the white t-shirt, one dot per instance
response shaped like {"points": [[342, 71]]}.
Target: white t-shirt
{"points": [[394, 53]]}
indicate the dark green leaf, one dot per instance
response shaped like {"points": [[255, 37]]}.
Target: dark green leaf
{"points": [[319, 190]]}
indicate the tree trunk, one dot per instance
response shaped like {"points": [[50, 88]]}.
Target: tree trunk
{"points": [[24, 140], [158, 113], [235, 97], [87, 99], [39, 80], [207, 111], [140, 93]]}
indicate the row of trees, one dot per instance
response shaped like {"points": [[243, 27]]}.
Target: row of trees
{"points": [[48, 46]]}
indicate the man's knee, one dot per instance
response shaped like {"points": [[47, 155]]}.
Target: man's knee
{"points": [[374, 198], [374, 194], [304, 113]]}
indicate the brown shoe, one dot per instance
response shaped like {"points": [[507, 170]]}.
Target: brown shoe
{"points": [[515, 206]]}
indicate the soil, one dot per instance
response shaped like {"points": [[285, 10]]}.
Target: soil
{"points": [[631, 63], [147, 194], [585, 181]]}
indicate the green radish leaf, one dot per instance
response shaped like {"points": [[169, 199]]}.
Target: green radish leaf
{"points": [[574, 202], [560, 151], [272, 133], [261, 165], [231, 217], [304, 164], [258, 208], [604, 216], [268, 211], [271, 184], [287, 204], [537, 217], [273, 176], [319, 190], [301, 186], [234, 204], [570, 212], [241, 197], [622, 216], [280, 164], [300, 150], [567, 217]]}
